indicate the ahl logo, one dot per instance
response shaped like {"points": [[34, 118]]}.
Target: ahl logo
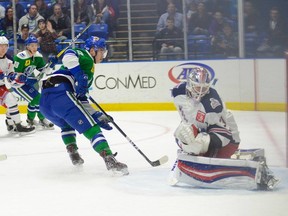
{"points": [[180, 72]]}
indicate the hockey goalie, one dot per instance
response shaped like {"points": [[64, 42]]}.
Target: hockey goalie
{"points": [[208, 138]]}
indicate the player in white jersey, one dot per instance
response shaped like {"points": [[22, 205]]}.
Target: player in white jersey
{"points": [[9, 78], [208, 130]]}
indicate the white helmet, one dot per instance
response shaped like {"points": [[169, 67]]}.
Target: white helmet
{"points": [[3, 40], [198, 83]]}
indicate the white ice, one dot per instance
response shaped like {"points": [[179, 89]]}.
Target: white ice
{"points": [[38, 178]]}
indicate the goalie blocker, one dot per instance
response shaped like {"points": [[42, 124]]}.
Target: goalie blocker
{"points": [[246, 169]]}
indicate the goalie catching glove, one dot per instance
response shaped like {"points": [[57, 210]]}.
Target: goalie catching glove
{"points": [[190, 140]]}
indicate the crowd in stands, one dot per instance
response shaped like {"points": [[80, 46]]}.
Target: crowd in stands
{"points": [[50, 20], [211, 25]]}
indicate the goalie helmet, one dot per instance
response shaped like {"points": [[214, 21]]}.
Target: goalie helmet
{"points": [[4, 40], [198, 83]]}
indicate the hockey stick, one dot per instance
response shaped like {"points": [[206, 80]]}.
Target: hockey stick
{"points": [[3, 157], [159, 162], [74, 40]]}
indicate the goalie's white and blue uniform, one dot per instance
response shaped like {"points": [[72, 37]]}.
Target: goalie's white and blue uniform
{"points": [[208, 137], [210, 116]]}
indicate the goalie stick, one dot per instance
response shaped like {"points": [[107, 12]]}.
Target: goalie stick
{"points": [[159, 162], [3, 157]]}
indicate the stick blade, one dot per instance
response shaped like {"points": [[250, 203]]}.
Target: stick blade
{"points": [[161, 161]]}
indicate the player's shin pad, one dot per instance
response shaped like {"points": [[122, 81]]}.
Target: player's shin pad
{"points": [[217, 173]]}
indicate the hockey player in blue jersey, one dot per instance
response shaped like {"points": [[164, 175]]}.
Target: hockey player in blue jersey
{"points": [[208, 130], [63, 102]]}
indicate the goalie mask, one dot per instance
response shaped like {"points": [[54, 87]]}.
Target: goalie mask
{"points": [[198, 83]]}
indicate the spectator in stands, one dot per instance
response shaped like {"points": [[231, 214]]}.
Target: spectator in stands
{"points": [[172, 12], [65, 6], [101, 10], [115, 5], [217, 23], [192, 9], [106, 11], [43, 8], [46, 37], [276, 38], [251, 18], [162, 5], [225, 43], [200, 21], [225, 6], [168, 41], [31, 19], [6, 24], [60, 22], [22, 36], [83, 12]]}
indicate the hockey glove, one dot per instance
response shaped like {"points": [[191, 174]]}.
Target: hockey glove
{"points": [[81, 85], [53, 60], [190, 141], [102, 120], [11, 76], [2, 75], [22, 78]]}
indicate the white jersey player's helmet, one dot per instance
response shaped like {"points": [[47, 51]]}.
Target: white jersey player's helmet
{"points": [[198, 83], [4, 40]]}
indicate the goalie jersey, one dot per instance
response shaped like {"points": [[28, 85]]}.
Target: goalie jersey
{"points": [[208, 115]]}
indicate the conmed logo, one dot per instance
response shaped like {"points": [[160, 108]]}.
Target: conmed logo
{"points": [[180, 72]]}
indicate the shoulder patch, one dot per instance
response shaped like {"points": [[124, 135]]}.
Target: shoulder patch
{"points": [[214, 103]]}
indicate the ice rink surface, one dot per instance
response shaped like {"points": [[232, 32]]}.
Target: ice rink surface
{"points": [[38, 178]]}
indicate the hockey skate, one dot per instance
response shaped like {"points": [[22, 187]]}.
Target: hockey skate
{"points": [[45, 124], [32, 122], [74, 155], [23, 130], [268, 181], [18, 128], [10, 128], [113, 165]]}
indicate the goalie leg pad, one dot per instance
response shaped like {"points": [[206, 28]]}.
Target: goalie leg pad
{"points": [[217, 173]]}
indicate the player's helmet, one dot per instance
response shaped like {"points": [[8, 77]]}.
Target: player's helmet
{"points": [[95, 42], [198, 83], [31, 39], [4, 40]]}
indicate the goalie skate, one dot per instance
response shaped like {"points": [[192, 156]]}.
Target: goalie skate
{"points": [[74, 155], [113, 165]]}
